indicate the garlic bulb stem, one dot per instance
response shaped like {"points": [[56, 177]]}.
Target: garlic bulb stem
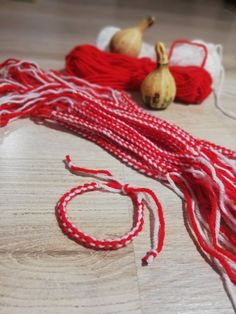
{"points": [[158, 88], [146, 23], [161, 53]]}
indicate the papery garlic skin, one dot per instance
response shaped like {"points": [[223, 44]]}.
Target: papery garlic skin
{"points": [[129, 40], [158, 88]]}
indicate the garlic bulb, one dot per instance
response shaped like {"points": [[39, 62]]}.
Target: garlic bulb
{"points": [[158, 88], [129, 40]]}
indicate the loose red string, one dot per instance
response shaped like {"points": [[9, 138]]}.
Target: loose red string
{"points": [[193, 83]]}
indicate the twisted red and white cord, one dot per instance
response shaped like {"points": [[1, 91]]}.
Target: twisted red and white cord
{"points": [[141, 198], [202, 173]]}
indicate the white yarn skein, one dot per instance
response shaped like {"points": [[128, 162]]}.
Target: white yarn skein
{"points": [[185, 55], [214, 60], [104, 37]]}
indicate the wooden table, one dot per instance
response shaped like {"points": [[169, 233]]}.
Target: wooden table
{"points": [[41, 270]]}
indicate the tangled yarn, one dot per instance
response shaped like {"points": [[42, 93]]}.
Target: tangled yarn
{"points": [[201, 173], [193, 83]]}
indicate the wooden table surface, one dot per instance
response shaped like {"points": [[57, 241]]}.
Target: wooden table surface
{"points": [[41, 270]]}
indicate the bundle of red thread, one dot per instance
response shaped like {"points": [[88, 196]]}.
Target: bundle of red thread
{"points": [[201, 173], [193, 83]]}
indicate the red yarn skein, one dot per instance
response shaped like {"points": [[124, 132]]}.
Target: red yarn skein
{"points": [[127, 73]]}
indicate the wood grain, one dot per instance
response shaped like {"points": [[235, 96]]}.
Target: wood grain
{"points": [[41, 270]]}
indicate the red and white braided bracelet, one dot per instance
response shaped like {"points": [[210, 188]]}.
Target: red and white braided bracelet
{"points": [[141, 198]]}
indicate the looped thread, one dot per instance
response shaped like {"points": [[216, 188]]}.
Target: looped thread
{"points": [[140, 198], [125, 189]]}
